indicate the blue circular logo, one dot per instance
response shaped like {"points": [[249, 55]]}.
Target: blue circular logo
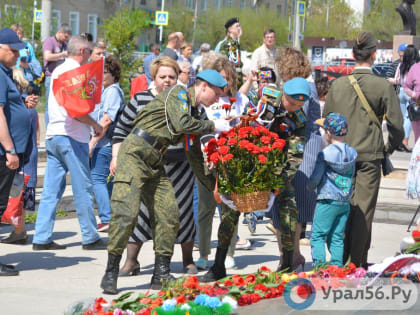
{"points": [[297, 283]]}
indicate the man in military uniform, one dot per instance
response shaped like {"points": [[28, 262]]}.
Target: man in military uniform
{"points": [[366, 137], [167, 120], [289, 124], [230, 48]]}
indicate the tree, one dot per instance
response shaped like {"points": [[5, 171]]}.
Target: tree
{"points": [[382, 20], [120, 32]]}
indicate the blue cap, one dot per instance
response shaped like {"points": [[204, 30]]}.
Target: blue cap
{"points": [[402, 47], [334, 123], [298, 88], [212, 77], [9, 37]]}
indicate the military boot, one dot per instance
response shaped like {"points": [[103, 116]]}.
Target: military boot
{"points": [[218, 270], [109, 280], [161, 273], [287, 261]]}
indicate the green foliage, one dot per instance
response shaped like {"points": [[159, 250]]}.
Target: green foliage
{"points": [[180, 20], [31, 218], [341, 24], [120, 32], [381, 11]]}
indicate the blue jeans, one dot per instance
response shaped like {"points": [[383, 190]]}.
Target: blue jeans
{"points": [[65, 154], [47, 84], [329, 224], [404, 99], [101, 158]]}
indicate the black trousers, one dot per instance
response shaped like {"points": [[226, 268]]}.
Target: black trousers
{"points": [[6, 181]]}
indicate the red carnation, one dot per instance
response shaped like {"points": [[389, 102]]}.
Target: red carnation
{"points": [[238, 280], [231, 134], [262, 129], [226, 106], [180, 299], [279, 144], [416, 235], [224, 149], [255, 132], [228, 283], [191, 282], [265, 149], [264, 268], [261, 287], [250, 278], [243, 143], [274, 135], [304, 291], [215, 157], [262, 158], [232, 99], [232, 141], [221, 141], [226, 158], [266, 139]]}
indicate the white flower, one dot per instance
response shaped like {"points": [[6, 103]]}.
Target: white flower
{"points": [[232, 302], [185, 306]]}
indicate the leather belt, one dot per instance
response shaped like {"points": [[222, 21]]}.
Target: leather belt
{"points": [[151, 140]]}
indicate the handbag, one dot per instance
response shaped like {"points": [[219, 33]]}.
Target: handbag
{"points": [[413, 111], [387, 166]]}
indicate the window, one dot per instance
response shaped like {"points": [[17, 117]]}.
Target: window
{"points": [[55, 21], [143, 2], [242, 4], [74, 21], [217, 4], [159, 3], [203, 5], [190, 4], [92, 25], [10, 9]]}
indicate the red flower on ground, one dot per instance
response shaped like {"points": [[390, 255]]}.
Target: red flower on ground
{"points": [[180, 299], [262, 158], [220, 291], [232, 141], [244, 299], [264, 268], [145, 311], [228, 283], [350, 268], [261, 287], [157, 302], [265, 139], [304, 291], [224, 149], [238, 280], [250, 278], [191, 282], [145, 300]]}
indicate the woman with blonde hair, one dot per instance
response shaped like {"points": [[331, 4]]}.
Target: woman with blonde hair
{"points": [[165, 72]]}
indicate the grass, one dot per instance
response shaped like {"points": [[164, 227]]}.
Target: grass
{"points": [[41, 105], [31, 218]]}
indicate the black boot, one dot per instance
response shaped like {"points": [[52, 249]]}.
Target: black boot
{"points": [[287, 261], [218, 270], [161, 273], [109, 280]]}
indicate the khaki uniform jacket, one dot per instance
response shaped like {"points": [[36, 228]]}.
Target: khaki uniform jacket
{"points": [[363, 134]]}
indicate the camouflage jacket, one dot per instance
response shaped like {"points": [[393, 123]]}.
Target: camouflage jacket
{"points": [[232, 50], [291, 127], [172, 115]]}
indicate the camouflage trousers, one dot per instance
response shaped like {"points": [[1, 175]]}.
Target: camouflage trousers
{"points": [[285, 205], [140, 175], [227, 226]]}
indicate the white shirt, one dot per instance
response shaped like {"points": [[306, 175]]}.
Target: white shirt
{"points": [[263, 57], [216, 111], [60, 123]]}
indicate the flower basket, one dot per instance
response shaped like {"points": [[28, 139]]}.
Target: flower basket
{"points": [[250, 201], [249, 162]]}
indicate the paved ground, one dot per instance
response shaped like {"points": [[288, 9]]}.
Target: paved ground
{"points": [[50, 281]]}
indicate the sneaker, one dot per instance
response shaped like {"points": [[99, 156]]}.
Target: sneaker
{"points": [[230, 263], [202, 263], [251, 219], [271, 228], [102, 227], [243, 244]]}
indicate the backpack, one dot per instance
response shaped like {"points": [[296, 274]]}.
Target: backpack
{"points": [[110, 130]]}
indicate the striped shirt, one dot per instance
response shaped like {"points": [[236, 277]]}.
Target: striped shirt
{"points": [[125, 122]]}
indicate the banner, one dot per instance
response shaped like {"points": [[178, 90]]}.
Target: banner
{"points": [[79, 90]]}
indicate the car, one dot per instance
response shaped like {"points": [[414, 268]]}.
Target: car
{"points": [[381, 69], [337, 68]]}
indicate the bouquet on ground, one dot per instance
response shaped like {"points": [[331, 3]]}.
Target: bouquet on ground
{"points": [[249, 161]]}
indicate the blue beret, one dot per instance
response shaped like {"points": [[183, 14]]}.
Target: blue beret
{"points": [[212, 77], [298, 88], [402, 47]]}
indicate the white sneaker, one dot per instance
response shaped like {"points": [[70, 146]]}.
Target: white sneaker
{"points": [[230, 263]]}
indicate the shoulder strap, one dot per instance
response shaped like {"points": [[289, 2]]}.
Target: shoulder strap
{"points": [[364, 101]]}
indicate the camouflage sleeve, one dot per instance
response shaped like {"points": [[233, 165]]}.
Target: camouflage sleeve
{"points": [[296, 145], [196, 160], [225, 48], [178, 109]]}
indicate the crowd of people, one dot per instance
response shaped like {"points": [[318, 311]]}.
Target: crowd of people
{"points": [[152, 147]]}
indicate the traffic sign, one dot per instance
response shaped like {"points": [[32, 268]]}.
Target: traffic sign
{"points": [[162, 17], [301, 8], [37, 16]]}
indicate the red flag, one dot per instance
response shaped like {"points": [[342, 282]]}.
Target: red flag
{"points": [[79, 90]]}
